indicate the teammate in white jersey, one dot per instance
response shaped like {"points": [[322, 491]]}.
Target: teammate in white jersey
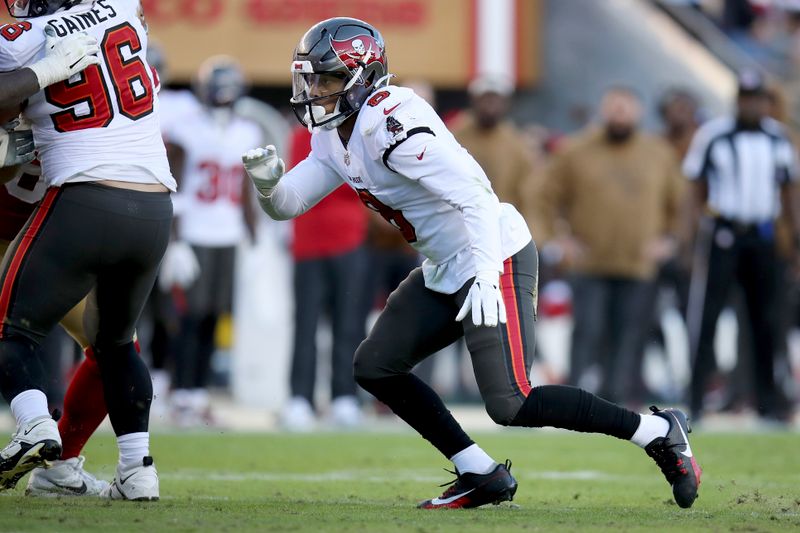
{"points": [[102, 226], [392, 148], [216, 214], [64, 57]]}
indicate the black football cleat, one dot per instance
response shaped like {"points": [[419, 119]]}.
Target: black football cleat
{"points": [[473, 490], [674, 456]]}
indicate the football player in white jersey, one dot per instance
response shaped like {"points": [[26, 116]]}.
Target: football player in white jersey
{"points": [[479, 279], [64, 57], [215, 215], [84, 407], [102, 226]]}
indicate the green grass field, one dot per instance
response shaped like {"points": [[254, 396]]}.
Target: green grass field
{"points": [[369, 482]]}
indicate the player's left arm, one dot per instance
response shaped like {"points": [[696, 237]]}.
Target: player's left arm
{"points": [[63, 57], [15, 88], [452, 175], [446, 173]]}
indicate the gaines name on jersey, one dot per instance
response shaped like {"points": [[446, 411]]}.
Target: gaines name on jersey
{"points": [[68, 24]]}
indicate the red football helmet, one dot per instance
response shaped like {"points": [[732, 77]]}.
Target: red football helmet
{"points": [[343, 47]]}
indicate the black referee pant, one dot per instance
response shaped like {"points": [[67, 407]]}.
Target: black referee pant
{"points": [[743, 254]]}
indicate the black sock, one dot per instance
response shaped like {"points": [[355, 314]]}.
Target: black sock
{"points": [[127, 388], [572, 408], [422, 409], [21, 367]]}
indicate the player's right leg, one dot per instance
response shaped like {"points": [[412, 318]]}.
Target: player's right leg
{"points": [[44, 274], [66, 476], [137, 228], [501, 359], [416, 323], [83, 411]]}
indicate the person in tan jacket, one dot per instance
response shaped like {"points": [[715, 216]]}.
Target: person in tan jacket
{"points": [[606, 210], [495, 142]]}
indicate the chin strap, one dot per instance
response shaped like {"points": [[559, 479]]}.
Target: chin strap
{"points": [[383, 81], [317, 112]]}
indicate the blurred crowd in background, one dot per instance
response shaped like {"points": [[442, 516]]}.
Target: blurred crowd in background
{"points": [[608, 203]]}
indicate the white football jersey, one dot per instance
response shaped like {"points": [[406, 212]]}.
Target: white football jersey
{"points": [[405, 164], [209, 201], [101, 123], [174, 106]]}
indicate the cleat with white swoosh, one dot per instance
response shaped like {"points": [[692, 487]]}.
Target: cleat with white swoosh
{"points": [[137, 483], [473, 490], [675, 458]]}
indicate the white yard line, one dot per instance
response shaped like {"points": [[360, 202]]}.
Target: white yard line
{"points": [[369, 476]]}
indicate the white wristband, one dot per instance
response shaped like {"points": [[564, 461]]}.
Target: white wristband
{"points": [[44, 71]]}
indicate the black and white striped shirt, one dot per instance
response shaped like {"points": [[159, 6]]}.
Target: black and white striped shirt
{"points": [[744, 168]]}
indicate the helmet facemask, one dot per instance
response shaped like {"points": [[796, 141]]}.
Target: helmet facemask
{"points": [[311, 110]]}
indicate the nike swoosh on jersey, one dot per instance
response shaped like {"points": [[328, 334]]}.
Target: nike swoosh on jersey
{"points": [[445, 501], [387, 111], [421, 155]]}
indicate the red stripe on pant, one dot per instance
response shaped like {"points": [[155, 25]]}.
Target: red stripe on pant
{"points": [[514, 328], [21, 250]]}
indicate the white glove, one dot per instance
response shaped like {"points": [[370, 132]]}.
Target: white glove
{"points": [[16, 147], [65, 57], [485, 300], [179, 266], [264, 167]]}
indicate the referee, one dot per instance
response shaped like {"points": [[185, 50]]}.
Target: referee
{"points": [[741, 171]]}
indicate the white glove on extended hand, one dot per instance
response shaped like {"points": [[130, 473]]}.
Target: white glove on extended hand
{"points": [[485, 300], [264, 167], [16, 147], [179, 266], [65, 57]]}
